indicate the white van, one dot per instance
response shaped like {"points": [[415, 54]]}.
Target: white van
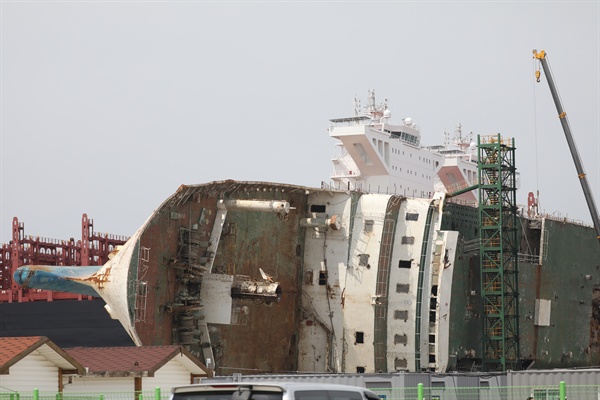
{"points": [[271, 391]]}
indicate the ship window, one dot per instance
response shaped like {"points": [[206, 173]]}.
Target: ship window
{"points": [[402, 287], [434, 289], [369, 225], [363, 260], [432, 303], [431, 338], [401, 314], [360, 370], [400, 339], [322, 277], [408, 240], [400, 363], [432, 315], [317, 208], [360, 337], [412, 216], [404, 263]]}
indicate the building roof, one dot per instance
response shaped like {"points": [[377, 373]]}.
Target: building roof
{"points": [[134, 361], [14, 349]]}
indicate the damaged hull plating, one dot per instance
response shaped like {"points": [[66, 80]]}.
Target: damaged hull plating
{"points": [[268, 278]]}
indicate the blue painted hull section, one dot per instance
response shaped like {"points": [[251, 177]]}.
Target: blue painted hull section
{"points": [[62, 279]]}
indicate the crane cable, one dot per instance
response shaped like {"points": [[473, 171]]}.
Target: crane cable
{"points": [[537, 175]]}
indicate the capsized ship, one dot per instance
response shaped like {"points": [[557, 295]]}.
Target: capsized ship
{"points": [[266, 277]]}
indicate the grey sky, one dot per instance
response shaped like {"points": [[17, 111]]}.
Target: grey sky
{"points": [[107, 107]]}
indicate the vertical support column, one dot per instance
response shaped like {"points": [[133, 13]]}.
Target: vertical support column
{"points": [[15, 260], [85, 240], [498, 254], [562, 388]]}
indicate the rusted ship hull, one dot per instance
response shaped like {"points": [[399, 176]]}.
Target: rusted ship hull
{"points": [[268, 278]]}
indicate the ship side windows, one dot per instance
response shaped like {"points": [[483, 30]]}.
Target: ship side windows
{"points": [[432, 317], [317, 208], [402, 287], [434, 290], [401, 314], [400, 339], [400, 363], [412, 216], [404, 263], [359, 337], [408, 240], [363, 260], [432, 303], [322, 278]]}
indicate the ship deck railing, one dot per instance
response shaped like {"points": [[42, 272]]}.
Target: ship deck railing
{"points": [[558, 218]]}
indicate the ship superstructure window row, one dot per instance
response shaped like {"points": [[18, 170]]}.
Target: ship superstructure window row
{"points": [[404, 137]]}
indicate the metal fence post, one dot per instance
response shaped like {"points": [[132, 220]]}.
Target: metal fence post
{"points": [[420, 391], [562, 390], [157, 393]]}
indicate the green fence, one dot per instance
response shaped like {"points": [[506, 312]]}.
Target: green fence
{"points": [[107, 395], [550, 392]]}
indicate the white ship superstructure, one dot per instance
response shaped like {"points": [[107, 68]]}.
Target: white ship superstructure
{"points": [[376, 290], [374, 155]]}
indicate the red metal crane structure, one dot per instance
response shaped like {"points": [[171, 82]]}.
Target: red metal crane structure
{"points": [[92, 249]]}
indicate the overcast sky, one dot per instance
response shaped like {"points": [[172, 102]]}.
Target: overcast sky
{"points": [[107, 107]]}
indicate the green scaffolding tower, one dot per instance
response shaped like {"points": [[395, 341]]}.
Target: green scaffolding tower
{"points": [[498, 253]]}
